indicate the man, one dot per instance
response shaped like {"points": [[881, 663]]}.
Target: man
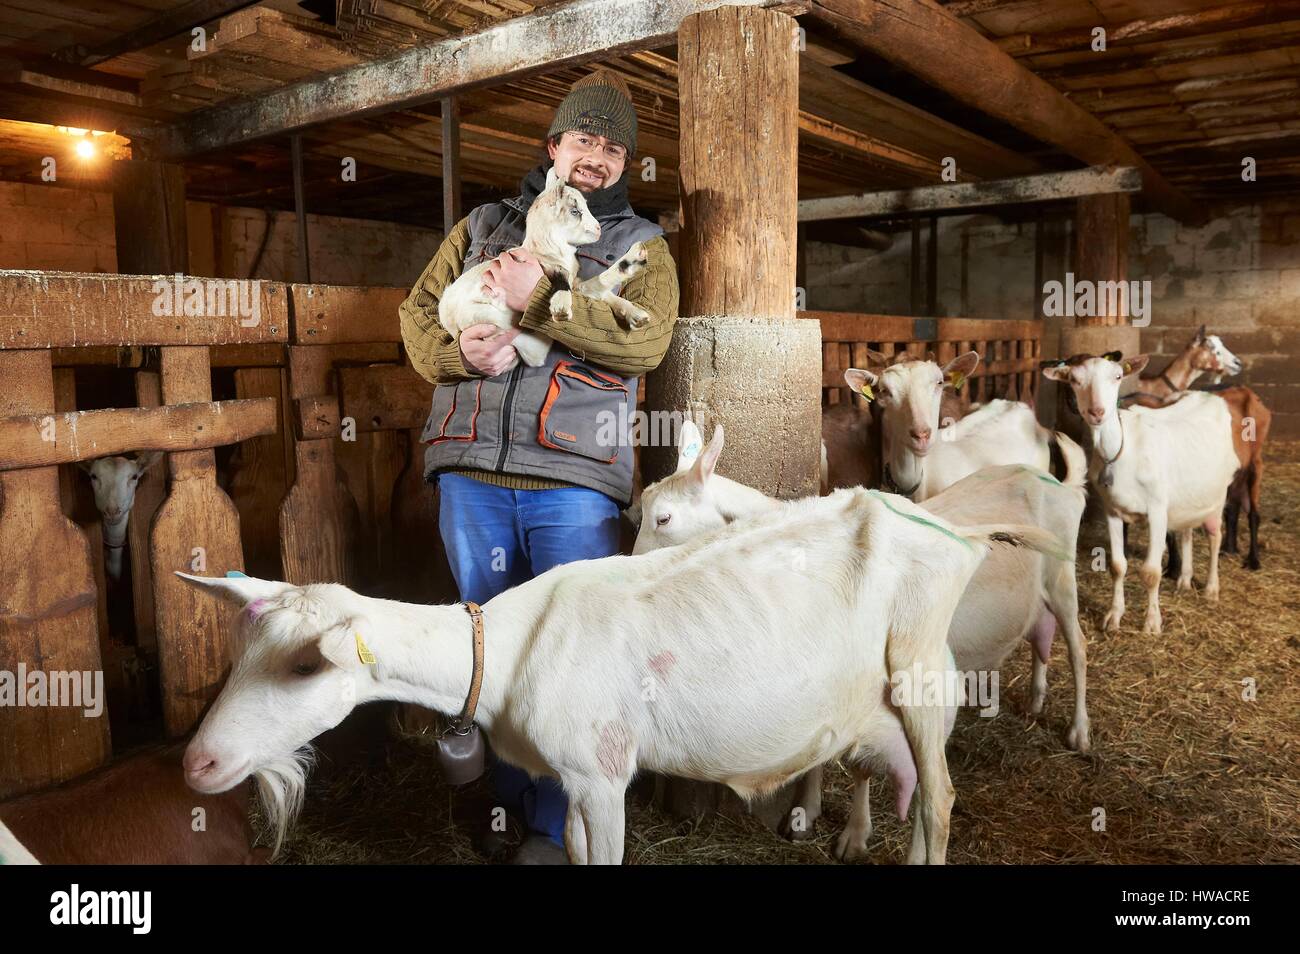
{"points": [[527, 475]]}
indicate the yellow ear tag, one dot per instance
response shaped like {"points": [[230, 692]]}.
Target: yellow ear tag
{"points": [[363, 651], [955, 380], [867, 393]]}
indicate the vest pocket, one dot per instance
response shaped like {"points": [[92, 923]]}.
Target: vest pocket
{"points": [[580, 413], [454, 416]]}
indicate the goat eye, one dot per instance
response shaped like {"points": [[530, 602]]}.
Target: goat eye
{"points": [[94, 478], [662, 519], [575, 213], [305, 668]]}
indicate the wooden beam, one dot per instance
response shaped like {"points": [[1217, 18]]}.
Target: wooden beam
{"points": [[73, 310], [86, 435], [180, 20], [384, 397], [345, 314], [1153, 29], [1049, 187], [921, 38], [547, 39]]}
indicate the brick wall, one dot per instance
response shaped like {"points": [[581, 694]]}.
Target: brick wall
{"points": [[55, 228], [1239, 274], [45, 226]]}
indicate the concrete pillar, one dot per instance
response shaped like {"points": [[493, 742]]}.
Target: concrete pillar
{"points": [[739, 355]]}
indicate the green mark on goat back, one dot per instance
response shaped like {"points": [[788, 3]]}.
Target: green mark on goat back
{"points": [[921, 520], [1023, 468]]}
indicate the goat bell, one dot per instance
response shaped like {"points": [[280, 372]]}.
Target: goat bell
{"points": [[460, 754]]}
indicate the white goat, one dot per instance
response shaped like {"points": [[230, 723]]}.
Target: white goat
{"points": [[744, 657], [115, 480], [909, 392], [1016, 595], [558, 223], [1171, 465]]}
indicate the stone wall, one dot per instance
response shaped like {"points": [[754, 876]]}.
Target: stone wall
{"points": [[61, 229], [1239, 274]]}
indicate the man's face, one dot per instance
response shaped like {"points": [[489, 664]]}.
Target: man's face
{"points": [[586, 161]]}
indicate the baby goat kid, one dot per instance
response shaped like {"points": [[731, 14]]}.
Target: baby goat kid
{"points": [[1172, 465], [558, 223]]}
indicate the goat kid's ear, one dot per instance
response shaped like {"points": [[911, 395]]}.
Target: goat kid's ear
{"points": [[956, 371], [863, 382], [240, 590], [1134, 364], [1200, 335], [703, 467], [876, 360], [551, 178], [689, 444], [86, 465]]}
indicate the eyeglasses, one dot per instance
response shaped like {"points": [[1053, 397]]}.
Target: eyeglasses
{"points": [[613, 151]]}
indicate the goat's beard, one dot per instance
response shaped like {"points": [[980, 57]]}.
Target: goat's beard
{"points": [[280, 787]]}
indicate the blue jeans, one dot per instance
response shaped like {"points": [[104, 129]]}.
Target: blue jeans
{"points": [[497, 538]]}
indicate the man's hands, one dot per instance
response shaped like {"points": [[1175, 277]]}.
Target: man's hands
{"points": [[487, 349], [512, 276]]}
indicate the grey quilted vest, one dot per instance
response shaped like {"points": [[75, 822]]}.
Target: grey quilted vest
{"points": [[565, 419]]}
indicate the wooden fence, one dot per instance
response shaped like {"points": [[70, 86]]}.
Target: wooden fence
{"points": [[1009, 349]]}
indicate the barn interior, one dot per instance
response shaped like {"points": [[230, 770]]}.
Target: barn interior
{"points": [[833, 176]]}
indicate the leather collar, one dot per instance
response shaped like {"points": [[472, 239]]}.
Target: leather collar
{"points": [[463, 721], [892, 487]]}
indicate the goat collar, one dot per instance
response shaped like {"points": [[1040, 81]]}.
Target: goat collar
{"points": [[892, 487], [1105, 477], [466, 717], [1164, 376]]}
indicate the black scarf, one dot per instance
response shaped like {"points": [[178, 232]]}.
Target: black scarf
{"points": [[602, 203]]}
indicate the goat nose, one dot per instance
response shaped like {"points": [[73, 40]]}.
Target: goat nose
{"points": [[197, 762], [920, 433], [1096, 412]]}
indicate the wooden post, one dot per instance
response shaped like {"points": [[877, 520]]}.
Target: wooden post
{"points": [[48, 614], [1100, 255], [739, 356], [300, 211], [196, 529], [450, 164], [1101, 247]]}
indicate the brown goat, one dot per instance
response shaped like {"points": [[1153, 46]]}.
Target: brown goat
{"points": [[1243, 494], [136, 811]]}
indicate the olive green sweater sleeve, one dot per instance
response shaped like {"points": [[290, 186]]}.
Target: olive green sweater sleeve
{"points": [[596, 335], [434, 354]]}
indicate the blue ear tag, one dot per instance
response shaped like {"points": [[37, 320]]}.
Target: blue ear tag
{"points": [[691, 450], [235, 573]]}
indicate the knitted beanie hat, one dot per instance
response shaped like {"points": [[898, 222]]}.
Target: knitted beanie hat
{"points": [[600, 104]]}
